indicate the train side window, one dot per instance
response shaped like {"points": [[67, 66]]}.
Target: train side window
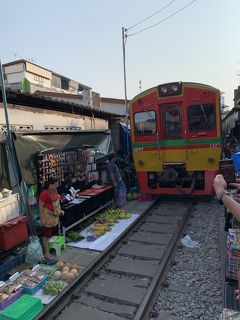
{"points": [[201, 117], [145, 123]]}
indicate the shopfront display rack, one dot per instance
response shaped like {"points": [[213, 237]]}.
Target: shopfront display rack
{"points": [[99, 206], [77, 163]]}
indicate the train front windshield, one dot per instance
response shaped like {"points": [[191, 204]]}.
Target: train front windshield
{"points": [[172, 119]]}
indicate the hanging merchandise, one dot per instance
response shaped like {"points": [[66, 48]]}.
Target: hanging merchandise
{"points": [[31, 192], [79, 164]]}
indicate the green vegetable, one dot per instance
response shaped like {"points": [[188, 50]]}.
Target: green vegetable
{"points": [[74, 236], [53, 287]]}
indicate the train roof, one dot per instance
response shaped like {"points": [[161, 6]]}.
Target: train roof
{"points": [[182, 82]]}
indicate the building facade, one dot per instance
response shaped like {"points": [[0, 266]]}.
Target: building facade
{"points": [[28, 77]]}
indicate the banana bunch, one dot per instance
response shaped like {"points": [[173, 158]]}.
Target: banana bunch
{"points": [[100, 227], [111, 216], [121, 214], [106, 219]]}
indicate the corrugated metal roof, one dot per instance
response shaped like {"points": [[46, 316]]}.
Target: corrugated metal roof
{"points": [[113, 100], [49, 103]]}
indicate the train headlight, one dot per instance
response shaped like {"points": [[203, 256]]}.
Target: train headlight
{"points": [[211, 160], [175, 88], [164, 90], [170, 89]]}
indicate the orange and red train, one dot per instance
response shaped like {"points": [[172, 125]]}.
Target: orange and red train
{"points": [[176, 138]]}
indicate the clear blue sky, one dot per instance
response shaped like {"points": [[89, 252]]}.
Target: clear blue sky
{"points": [[82, 40]]}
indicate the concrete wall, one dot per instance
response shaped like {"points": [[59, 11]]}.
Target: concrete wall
{"points": [[15, 77], [40, 119], [37, 80]]}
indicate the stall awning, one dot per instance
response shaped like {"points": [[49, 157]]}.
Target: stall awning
{"points": [[28, 144]]}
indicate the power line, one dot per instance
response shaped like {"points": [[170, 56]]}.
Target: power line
{"points": [[136, 24], [168, 17]]}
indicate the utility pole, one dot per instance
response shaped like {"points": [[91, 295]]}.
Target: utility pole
{"points": [[124, 37], [9, 137]]}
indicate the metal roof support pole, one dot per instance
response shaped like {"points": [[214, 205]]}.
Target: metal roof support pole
{"points": [[9, 137], [124, 39]]}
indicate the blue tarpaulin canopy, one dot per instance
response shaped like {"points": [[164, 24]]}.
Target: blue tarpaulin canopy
{"points": [[125, 139]]}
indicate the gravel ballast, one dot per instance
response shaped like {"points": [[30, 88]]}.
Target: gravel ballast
{"points": [[193, 287]]}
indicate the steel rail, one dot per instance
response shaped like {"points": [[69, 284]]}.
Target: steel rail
{"points": [[149, 299], [71, 291]]}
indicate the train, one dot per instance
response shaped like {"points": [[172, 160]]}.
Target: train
{"points": [[176, 138]]}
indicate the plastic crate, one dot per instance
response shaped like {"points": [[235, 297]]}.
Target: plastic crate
{"points": [[25, 308], [144, 197], [11, 299], [33, 290], [7, 264], [9, 208], [13, 232]]}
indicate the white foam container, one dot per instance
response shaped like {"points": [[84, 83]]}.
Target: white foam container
{"points": [[9, 208]]}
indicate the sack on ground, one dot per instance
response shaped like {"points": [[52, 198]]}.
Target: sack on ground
{"points": [[34, 251]]}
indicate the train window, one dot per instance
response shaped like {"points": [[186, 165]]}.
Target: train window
{"points": [[172, 122], [145, 123], [201, 117]]}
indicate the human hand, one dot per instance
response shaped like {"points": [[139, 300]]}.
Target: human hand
{"points": [[61, 213], [237, 198], [235, 185], [219, 184]]}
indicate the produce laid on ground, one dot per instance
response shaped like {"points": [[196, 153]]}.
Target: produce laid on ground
{"points": [[132, 196], [73, 236], [66, 271], [53, 287], [111, 216], [43, 281], [30, 278], [7, 291], [106, 219]]}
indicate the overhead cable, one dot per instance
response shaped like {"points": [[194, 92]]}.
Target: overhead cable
{"points": [[136, 24], [168, 17]]}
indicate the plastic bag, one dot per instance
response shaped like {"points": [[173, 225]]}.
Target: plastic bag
{"points": [[228, 314], [34, 251], [189, 243]]}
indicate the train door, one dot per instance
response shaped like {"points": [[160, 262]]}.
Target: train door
{"points": [[173, 134]]}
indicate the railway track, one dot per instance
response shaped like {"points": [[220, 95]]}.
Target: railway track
{"points": [[124, 281]]}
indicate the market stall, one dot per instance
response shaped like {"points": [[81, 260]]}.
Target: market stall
{"points": [[76, 159]]}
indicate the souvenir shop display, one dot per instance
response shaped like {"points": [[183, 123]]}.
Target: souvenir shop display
{"points": [[78, 176], [79, 164]]}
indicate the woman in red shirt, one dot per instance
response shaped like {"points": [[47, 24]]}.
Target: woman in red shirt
{"points": [[49, 210]]}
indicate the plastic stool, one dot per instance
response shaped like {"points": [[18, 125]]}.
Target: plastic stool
{"points": [[57, 243]]}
